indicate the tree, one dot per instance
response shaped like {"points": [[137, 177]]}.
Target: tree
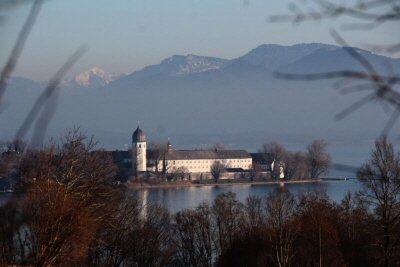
{"points": [[11, 221], [216, 169], [228, 217], [318, 159], [180, 172], [156, 154], [290, 165], [300, 172], [282, 225], [319, 234], [218, 146], [354, 224], [272, 148], [154, 240], [254, 213], [278, 151], [69, 197], [118, 160], [11, 153], [295, 166], [195, 237], [114, 241], [380, 179], [254, 171], [16, 145]]}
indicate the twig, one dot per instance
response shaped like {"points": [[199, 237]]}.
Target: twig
{"points": [[44, 100], [19, 45]]}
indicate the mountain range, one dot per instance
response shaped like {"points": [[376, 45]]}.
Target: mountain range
{"points": [[203, 96]]}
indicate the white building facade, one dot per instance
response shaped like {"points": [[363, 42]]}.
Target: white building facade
{"points": [[195, 162], [200, 161]]}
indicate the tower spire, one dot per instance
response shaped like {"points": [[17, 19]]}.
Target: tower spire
{"points": [[139, 150], [169, 145]]}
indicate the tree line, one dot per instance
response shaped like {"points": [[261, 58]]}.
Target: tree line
{"points": [[299, 165], [72, 214]]}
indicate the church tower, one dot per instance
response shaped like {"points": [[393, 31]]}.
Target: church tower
{"points": [[138, 150]]}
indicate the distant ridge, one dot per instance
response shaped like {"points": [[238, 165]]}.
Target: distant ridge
{"points": [[298, 58], [196, 94], [273, 56], [177, 66]]}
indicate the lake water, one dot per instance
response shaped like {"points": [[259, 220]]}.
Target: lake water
{"points": [[351, 155], [347, 154], [189, 197]]}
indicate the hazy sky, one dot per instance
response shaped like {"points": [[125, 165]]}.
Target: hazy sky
{"points": [[127, 35]]}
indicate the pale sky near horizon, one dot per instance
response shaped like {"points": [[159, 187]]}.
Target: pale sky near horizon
{"points": [[127, 35]]}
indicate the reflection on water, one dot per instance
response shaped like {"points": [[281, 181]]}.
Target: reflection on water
{"points": [[189, 197]]}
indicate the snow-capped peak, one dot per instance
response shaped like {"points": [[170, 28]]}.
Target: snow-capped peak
{"points": [[87, 78], [179, 65], [95, 77]]}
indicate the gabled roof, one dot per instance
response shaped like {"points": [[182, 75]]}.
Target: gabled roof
{"points": [[263, 158], [233, 154], [191, 154], [207, 154]]}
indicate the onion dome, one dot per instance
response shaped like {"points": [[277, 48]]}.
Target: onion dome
{"points": [[138, 136]]}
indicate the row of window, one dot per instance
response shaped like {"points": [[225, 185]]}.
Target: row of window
{"points": [[207, 167], [194, 161]]}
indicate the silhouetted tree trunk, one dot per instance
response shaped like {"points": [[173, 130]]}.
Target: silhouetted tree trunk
{"points": [[318, 159], [216, 170], [380, 179], [228, 215], [277, 151], [69, 197], [315, 210], [283, 226], [195, 237], [254, 171], [156, 155]]}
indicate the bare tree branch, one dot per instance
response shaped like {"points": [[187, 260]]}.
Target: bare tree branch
{"points": [[354, 106], [19, 45], [43, 101], [363, 10], [391, 122]]}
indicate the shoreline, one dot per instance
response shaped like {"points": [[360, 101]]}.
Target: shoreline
{"points": [[190, 184], [180, 184]]}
